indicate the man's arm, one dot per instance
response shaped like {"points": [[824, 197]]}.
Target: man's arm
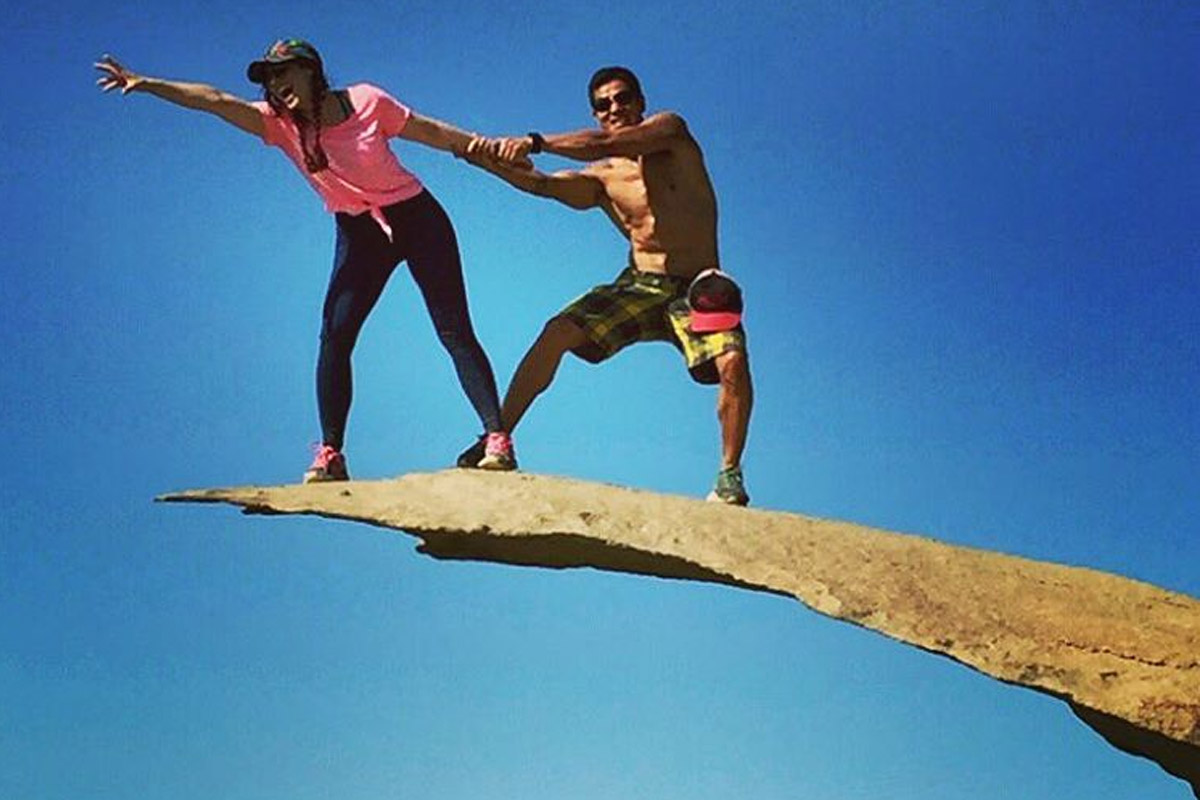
{"points": [[656, 133], [198, 96], [575, 189]]}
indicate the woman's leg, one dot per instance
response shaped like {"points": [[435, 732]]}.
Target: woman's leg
{"points": [[361, 267], [433, 258]]}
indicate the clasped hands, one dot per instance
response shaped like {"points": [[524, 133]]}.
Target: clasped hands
{"points": [[511, 150]]}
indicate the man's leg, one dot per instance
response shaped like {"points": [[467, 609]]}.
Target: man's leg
{"points": [[537, 369], [735, 396]]}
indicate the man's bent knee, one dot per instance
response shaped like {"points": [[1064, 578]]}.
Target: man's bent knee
{"points": [[733, 366], [561, 334]]}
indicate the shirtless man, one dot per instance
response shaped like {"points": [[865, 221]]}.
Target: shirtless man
{"points": [[647, 174]]}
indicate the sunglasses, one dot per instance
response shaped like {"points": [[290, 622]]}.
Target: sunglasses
{"points": [[621, 98]]}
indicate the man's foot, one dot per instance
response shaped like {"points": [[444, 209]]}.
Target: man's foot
{"points": [[498, 452], [329, 465], [729, 488], [470, 458]]}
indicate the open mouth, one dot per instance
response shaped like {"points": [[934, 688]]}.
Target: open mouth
{"points": [[286, 95]]}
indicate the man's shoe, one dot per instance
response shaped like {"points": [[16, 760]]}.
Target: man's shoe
{"points": [[729, 488], [329, 465], [498, 453], [470, 458]]}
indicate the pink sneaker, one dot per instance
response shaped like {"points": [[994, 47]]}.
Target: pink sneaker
{"points": [[329, 465], [498, 454]]}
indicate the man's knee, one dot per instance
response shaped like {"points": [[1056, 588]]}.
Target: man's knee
{"points": [[734, 368], [560, 334]]}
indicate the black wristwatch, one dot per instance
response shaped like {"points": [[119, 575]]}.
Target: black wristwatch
{"points": [[539, 143]]}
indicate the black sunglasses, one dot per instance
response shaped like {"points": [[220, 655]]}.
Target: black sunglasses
{"points": [[621, 98]]}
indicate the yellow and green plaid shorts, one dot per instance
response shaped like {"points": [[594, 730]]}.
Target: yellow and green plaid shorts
{"points": [[647, 307]]}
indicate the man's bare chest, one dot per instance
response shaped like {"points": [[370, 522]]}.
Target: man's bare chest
{"points": [[636, 186]]}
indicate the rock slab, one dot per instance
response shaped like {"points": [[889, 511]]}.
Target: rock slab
{"points": [[1125, 655]]}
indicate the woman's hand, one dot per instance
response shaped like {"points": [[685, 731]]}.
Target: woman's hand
{"points": [[197, 96], [114, 75], [514, 149], [482, 150]]}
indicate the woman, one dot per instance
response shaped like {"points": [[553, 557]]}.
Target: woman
{"points": [[338, 138]]}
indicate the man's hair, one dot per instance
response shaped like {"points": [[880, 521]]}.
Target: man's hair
{"points": [[606, 74]]}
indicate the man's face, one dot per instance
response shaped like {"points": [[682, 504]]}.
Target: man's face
{"points": [[616, 105]]}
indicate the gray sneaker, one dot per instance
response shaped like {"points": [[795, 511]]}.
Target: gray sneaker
{"points": [[729, 488]]}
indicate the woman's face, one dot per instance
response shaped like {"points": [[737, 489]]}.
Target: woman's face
{"points": [[292, 84]]}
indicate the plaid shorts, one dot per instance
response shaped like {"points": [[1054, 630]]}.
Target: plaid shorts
{"points": [[647, 307]]}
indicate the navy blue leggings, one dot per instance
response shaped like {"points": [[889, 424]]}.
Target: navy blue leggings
{"points": [[364, 261]]}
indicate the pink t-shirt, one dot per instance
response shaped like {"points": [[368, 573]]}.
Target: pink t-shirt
{"points": [[364, 174]]}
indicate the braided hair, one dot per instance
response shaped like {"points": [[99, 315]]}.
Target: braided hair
{"points": [[315, 159]]}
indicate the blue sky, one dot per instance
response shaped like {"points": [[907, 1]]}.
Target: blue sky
{"points": [[967, 237]]}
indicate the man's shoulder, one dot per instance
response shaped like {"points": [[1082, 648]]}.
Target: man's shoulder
{"points": [[673, 123], [668, 117]]}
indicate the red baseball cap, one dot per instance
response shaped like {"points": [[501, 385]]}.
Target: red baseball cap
{"points": [[715, 301]]}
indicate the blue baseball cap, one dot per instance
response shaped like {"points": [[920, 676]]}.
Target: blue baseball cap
{"points": [[281, 52]]}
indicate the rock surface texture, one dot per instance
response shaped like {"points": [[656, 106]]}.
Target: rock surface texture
{"points": [[1124, 655]]}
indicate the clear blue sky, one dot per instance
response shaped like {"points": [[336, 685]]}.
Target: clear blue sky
{"points": [[967, 234]]}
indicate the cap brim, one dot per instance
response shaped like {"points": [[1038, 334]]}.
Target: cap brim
{"points": [[257, 71], [714, 321]]}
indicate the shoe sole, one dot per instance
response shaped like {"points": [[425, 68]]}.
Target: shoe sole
{"points": [[494, 464], [317, 477], [713, 497]]}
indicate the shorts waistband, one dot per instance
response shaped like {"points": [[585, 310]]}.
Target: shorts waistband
{"points": [[657, 279]]}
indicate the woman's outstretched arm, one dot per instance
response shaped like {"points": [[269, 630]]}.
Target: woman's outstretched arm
{"points": [[437, 134], [201, 97]]}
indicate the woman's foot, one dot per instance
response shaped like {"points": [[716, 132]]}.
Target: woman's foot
{"points": [[328, 465], [498, 453], [493, 451]]}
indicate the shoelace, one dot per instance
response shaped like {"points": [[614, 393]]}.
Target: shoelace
{"points": [[322, 454], [499, 442]]}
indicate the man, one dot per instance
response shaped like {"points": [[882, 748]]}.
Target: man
{"points": [[647, 174]]}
